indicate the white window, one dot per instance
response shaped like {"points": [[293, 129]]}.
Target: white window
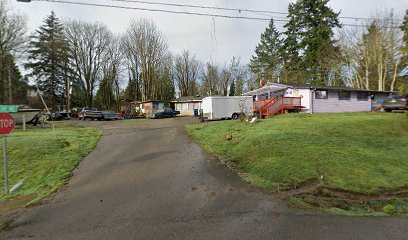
{"points": [[178, 106]]}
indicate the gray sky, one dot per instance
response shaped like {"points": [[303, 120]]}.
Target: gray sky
{"points": [[209, 38]]}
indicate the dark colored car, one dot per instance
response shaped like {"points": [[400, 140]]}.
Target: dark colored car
{"points": [[395, 102], [168, 112], [109, 115]]}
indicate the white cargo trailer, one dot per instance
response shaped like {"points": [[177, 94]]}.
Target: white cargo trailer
{"points": [[220, 107]]}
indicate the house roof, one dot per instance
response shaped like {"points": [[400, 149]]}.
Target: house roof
{"points": [[310, 86], [189, 99], [268, 87], [281, 86], [148, 101]]}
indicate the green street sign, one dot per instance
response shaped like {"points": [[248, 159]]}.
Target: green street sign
{"points": [[8, 108]]}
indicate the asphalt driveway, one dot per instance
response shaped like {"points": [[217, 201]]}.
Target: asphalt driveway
{"points": [[147, 180]]}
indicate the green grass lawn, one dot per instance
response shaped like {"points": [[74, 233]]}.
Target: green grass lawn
{"points": [[354, 152], [45, 160]]}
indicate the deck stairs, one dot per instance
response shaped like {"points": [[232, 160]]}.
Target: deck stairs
{"points": [[271, 107]]}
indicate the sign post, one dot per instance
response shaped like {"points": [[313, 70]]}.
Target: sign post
{"points": [[5, 164], [6, 127]]}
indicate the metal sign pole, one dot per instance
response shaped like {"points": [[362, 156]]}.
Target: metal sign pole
{"points": [[5, 164], [24, 122]]}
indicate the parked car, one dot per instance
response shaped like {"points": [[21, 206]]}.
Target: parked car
{"points": [[109, 115], [395, 102], [168, 112]]}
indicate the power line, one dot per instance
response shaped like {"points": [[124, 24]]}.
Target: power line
{"points": [[158, 10], [201, 7], [184, 12], [232, 9]]}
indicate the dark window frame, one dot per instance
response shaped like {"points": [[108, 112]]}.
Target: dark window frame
{"points": [[342, 98], [318, 97], [367, 96]]}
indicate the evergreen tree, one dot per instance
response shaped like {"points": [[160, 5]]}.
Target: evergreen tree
{"points": [[105, 97], [15, 86], [48, 60], [232, 88], [293, 69], [266, 60], [309, 36]]}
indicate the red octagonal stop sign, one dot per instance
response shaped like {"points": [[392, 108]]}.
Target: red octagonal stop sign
{"points": [[6, 123]]}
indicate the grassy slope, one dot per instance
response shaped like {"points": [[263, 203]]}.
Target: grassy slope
{"points": [[45, 161], [357, 152]]}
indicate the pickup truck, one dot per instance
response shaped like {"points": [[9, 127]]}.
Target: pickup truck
{"points": [[90, 113]]}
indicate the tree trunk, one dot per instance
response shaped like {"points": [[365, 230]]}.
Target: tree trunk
{"points": [[394, 77], [3, 84], [379, 73], [384, 78], [68, 88], [367, 83], [10, 92]]}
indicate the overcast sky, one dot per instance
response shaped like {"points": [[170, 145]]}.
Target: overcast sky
{"points": [[209, 38]]}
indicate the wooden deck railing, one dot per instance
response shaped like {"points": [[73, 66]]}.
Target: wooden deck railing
{"points": [[271, 107]]}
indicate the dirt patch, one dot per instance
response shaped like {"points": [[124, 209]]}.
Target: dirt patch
{"points": [[306, 187], [211, 195], [382, 196], [16, 203], [9, 209], [311, 195]]}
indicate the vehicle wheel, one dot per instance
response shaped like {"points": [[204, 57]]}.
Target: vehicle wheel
{"points": [[388, 109], [84, 118], [234, 116]]}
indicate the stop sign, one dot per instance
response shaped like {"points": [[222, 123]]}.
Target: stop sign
{"points": [[6, 123]]}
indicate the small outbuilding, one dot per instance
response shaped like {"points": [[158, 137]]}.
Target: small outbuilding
{"points": [[321, 99], [146, 108], [187, 105]]}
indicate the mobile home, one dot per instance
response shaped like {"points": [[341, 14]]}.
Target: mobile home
{"points": [[321, 99]]}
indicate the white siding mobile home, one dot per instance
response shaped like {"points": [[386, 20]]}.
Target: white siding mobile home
{"points": [[322, 99]]}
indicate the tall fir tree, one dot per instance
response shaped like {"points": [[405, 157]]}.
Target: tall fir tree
{"points": [[232, 88], [266, 60], [49, 61], [309, 36], [292, 69]]}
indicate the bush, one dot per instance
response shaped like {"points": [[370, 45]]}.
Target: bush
{"points": [[389, 209]]}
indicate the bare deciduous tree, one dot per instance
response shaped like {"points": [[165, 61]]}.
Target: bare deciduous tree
{"points": [[12, 39], [186, 71], [88, 44], [109, 92], [146, 48], [372, 56], [210, 80]]}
